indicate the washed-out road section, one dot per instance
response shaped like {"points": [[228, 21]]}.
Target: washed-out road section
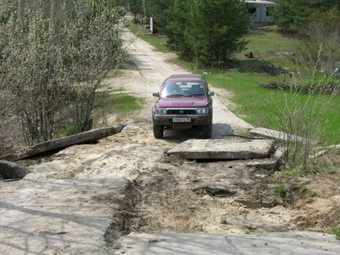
{"points": [[127, 195]]}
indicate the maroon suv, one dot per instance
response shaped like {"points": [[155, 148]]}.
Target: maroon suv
{"points": [[184, 101]]}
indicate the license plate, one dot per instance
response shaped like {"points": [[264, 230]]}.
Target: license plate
{"points": [[181, 120]]}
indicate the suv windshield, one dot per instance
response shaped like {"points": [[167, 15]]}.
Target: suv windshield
{"points": [[187, 89]]}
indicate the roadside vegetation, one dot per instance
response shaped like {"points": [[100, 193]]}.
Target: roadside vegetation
{"points": [[336, 231], [117, 104], [54, 57]]}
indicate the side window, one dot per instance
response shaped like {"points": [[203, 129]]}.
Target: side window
{"points": [[206, 84]]}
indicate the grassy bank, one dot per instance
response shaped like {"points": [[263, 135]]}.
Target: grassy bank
{"points": [[117, 103]]}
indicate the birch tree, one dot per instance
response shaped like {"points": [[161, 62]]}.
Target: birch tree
{"points": [[54, 55]]}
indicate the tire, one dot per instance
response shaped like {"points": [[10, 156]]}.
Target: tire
{"points": [[206, 131], [158, 131]]}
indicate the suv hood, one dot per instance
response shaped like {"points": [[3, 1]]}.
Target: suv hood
{"points": [[182, 102]]}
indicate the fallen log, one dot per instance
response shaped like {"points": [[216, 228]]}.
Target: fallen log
{"points": [[84, 137]]}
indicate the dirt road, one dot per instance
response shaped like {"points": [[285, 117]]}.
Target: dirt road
{"points": [[127, 183]]}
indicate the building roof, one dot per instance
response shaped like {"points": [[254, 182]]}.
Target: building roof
{"points": [[260, 2]]}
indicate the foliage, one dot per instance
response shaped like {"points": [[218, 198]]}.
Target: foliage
{"points": [[141, 32], [319, 50], [294, 15], [336, 231], [54, 54], [216, 30], [281, 192], [301, 119], [117, 103], [161, 11], [206, 32], [136, 7], [307, 108], [176, 27]]}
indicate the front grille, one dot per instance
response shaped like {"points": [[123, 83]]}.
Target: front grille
{"points": [[190, 111]]}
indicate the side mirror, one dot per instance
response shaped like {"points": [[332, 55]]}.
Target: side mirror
{"points": [[211, 93], [155, 94]]}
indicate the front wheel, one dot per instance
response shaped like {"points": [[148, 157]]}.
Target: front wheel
{"points": [[206, 131], [158, 131]]}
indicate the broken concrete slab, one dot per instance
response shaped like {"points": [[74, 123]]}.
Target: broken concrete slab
{"points": [[271, 163], [280, 136], [223, 149], [233, 244], [268, 164], [323, 151], [280, 152], [36, 217]]}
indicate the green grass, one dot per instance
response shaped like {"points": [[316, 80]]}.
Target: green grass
{"points": [[115, 102], [248, 96], [336, 231], [281, 192], [265, 39], [260, 106], [124, 103], [118, 102]]}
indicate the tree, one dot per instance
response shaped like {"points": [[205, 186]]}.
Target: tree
{"points": [[161, 11], [319, 50], [295, 15], [216, 30], [207, 32], [175, 28], [137, 8], [54, 55]]}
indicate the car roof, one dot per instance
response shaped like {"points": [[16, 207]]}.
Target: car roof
{"points": [[185, 78], [197, 76]]}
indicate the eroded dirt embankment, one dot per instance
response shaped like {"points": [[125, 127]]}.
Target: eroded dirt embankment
{"points": [[189, 196], [172, 194]]}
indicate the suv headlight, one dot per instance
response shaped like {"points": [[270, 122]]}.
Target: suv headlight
{"points": [[159, 111], [203, 110]]}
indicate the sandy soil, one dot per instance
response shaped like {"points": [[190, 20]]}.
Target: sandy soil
{"points": [[171, 194]]}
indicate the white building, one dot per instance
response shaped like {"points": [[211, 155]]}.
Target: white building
{"points": [[260, 9]]}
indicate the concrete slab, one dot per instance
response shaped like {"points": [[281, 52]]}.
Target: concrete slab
{"points": [[234, 244], [280, 136], [285, 243], [37, 218], [174, 243], [223, 149], [271, 163]]}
